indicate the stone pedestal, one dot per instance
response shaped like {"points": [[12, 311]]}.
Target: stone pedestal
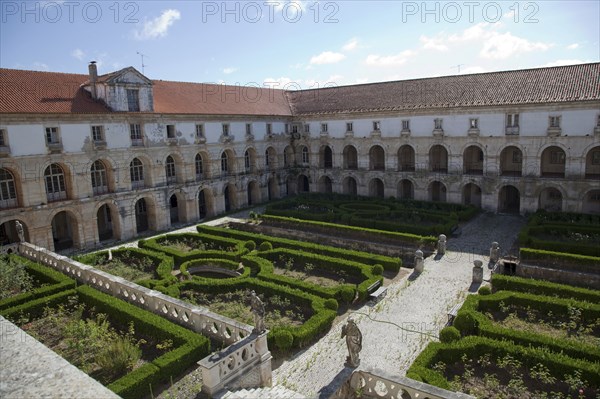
{"points": [[442, 244], [495, 252], [419, 262], [478, 272]]}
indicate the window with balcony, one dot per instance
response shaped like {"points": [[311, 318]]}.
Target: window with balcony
{"points": [[224, 163], [199, 167], [99, 178], [305, 155], [8, 191], [54, 177], [136, 172], [170, 170], [136, 135], [133, 100], [247, 161]]}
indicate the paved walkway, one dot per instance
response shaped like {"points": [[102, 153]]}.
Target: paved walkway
{"points": [[397, 328]]}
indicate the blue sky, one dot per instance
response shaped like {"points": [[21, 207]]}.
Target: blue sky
{"points": [[295, 44]]}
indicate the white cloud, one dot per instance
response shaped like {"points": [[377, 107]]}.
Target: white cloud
{"points": [[573, 46], [40, 66], [159, 26], [442, 41], [327, 57], [78, 53], [350, 45], [389, 60], [229, 70], [473, 69], [502, 46], [282, 83], [564, 62]]}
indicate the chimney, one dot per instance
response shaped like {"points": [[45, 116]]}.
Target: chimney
{"points": [[93, 78]]}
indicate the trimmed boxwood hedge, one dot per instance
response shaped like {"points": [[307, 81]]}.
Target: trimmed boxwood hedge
{"points": [[560, 260], [390, 264], [501, 282], [53, 281]]}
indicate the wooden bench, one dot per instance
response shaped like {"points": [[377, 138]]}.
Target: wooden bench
{"points": [[452, 313], [376, 291]]}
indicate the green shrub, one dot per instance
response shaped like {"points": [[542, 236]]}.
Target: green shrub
{"points": [[466, 323], [377, 269], [250, 245], [449, 334], [539, 287], [346, 294], [331, 304], [484, 290], [283, 339], [265, 246]]}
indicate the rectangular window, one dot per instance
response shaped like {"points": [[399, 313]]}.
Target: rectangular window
{"points": [[349, 127], [98, 133], [473, 123], [52, 135], [406, 124], [225, 129], [554, 121], [269, 129], [199, 131], [287, 128], [557, 157], [324, 127], [376, 126], [248, 129], [294, 128], [437, 123], [133, 100], [170, 131], [307, 128], [512, 120], [2, 138], [135, 133]]}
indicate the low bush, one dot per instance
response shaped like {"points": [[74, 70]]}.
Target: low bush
{"points": [[283, 339], [265, 246], [539, 287], [250, 245], [466, 323], [449, 334], [377, 270], [331, 304], [560, 260], [484, 290]]}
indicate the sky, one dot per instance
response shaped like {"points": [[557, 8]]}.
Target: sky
{"points": [[297, 44]]}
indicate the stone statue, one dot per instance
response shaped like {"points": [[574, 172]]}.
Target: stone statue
{"points": [[258, 311], [20, 231], [353, 341]]}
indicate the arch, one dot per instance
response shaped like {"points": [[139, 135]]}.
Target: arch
{"points": [[350, 155], [250, 160], [550, 199], [325, 185], [107, 222], [271, 158], [288, 156], [8, 232], [8, 190], [170, 170], [511, 161], [303, 184], [509, 199], [145, 215], [230, 197], [472, 195], [136, 173], [325, 157], [56, 186], [206, 206], [591, 202], [376, 158], [349, 186], [406, 189], [438, 159], [553, 160], [65, 230], [473, 160], [436, 191], [253, 193], [177, 211], [376, 188], [406, 158], [592, 164], [291, 185], [273, 188]]}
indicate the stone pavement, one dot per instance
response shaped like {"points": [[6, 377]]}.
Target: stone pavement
{"points": [[396, 329]]}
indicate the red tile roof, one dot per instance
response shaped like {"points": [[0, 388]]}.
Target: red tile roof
{"points": [[49, 92]]}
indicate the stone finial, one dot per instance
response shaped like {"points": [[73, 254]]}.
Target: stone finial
{"points": [[495, 252], [478, 263], [419, 263], [442, 244]]}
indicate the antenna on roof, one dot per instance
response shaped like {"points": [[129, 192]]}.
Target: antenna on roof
{"points": [[143, 65], [457, 67]]}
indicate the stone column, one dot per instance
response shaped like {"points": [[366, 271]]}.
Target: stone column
{"points": [[442, 244], [477, 271], [419, 263], [495, 252]]}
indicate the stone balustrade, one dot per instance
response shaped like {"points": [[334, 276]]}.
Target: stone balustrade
{"points": [[246, 355]]}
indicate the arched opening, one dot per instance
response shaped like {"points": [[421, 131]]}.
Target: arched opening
{"points": [[8, 190], [64, 231], [472, 195], [303, 184], [104, 221], [271, 158], [406, 189], [99, 175], [253, 193], [376, 158], [136, 172], [553, 162], [591, 202], [349, 186], [291, 185], [325, 157], [174, 209], [273, 189], [437, 191], [438, 159], [350, 157], [141, 216], [406, 159], [170, 170], [288, 156], [473, 160], [9, 234], [509, 200], [229, 197], [550, 200], [511, 162], [205, 204], [56, 188], [376, 188], [592, 164], [325, 185]]}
